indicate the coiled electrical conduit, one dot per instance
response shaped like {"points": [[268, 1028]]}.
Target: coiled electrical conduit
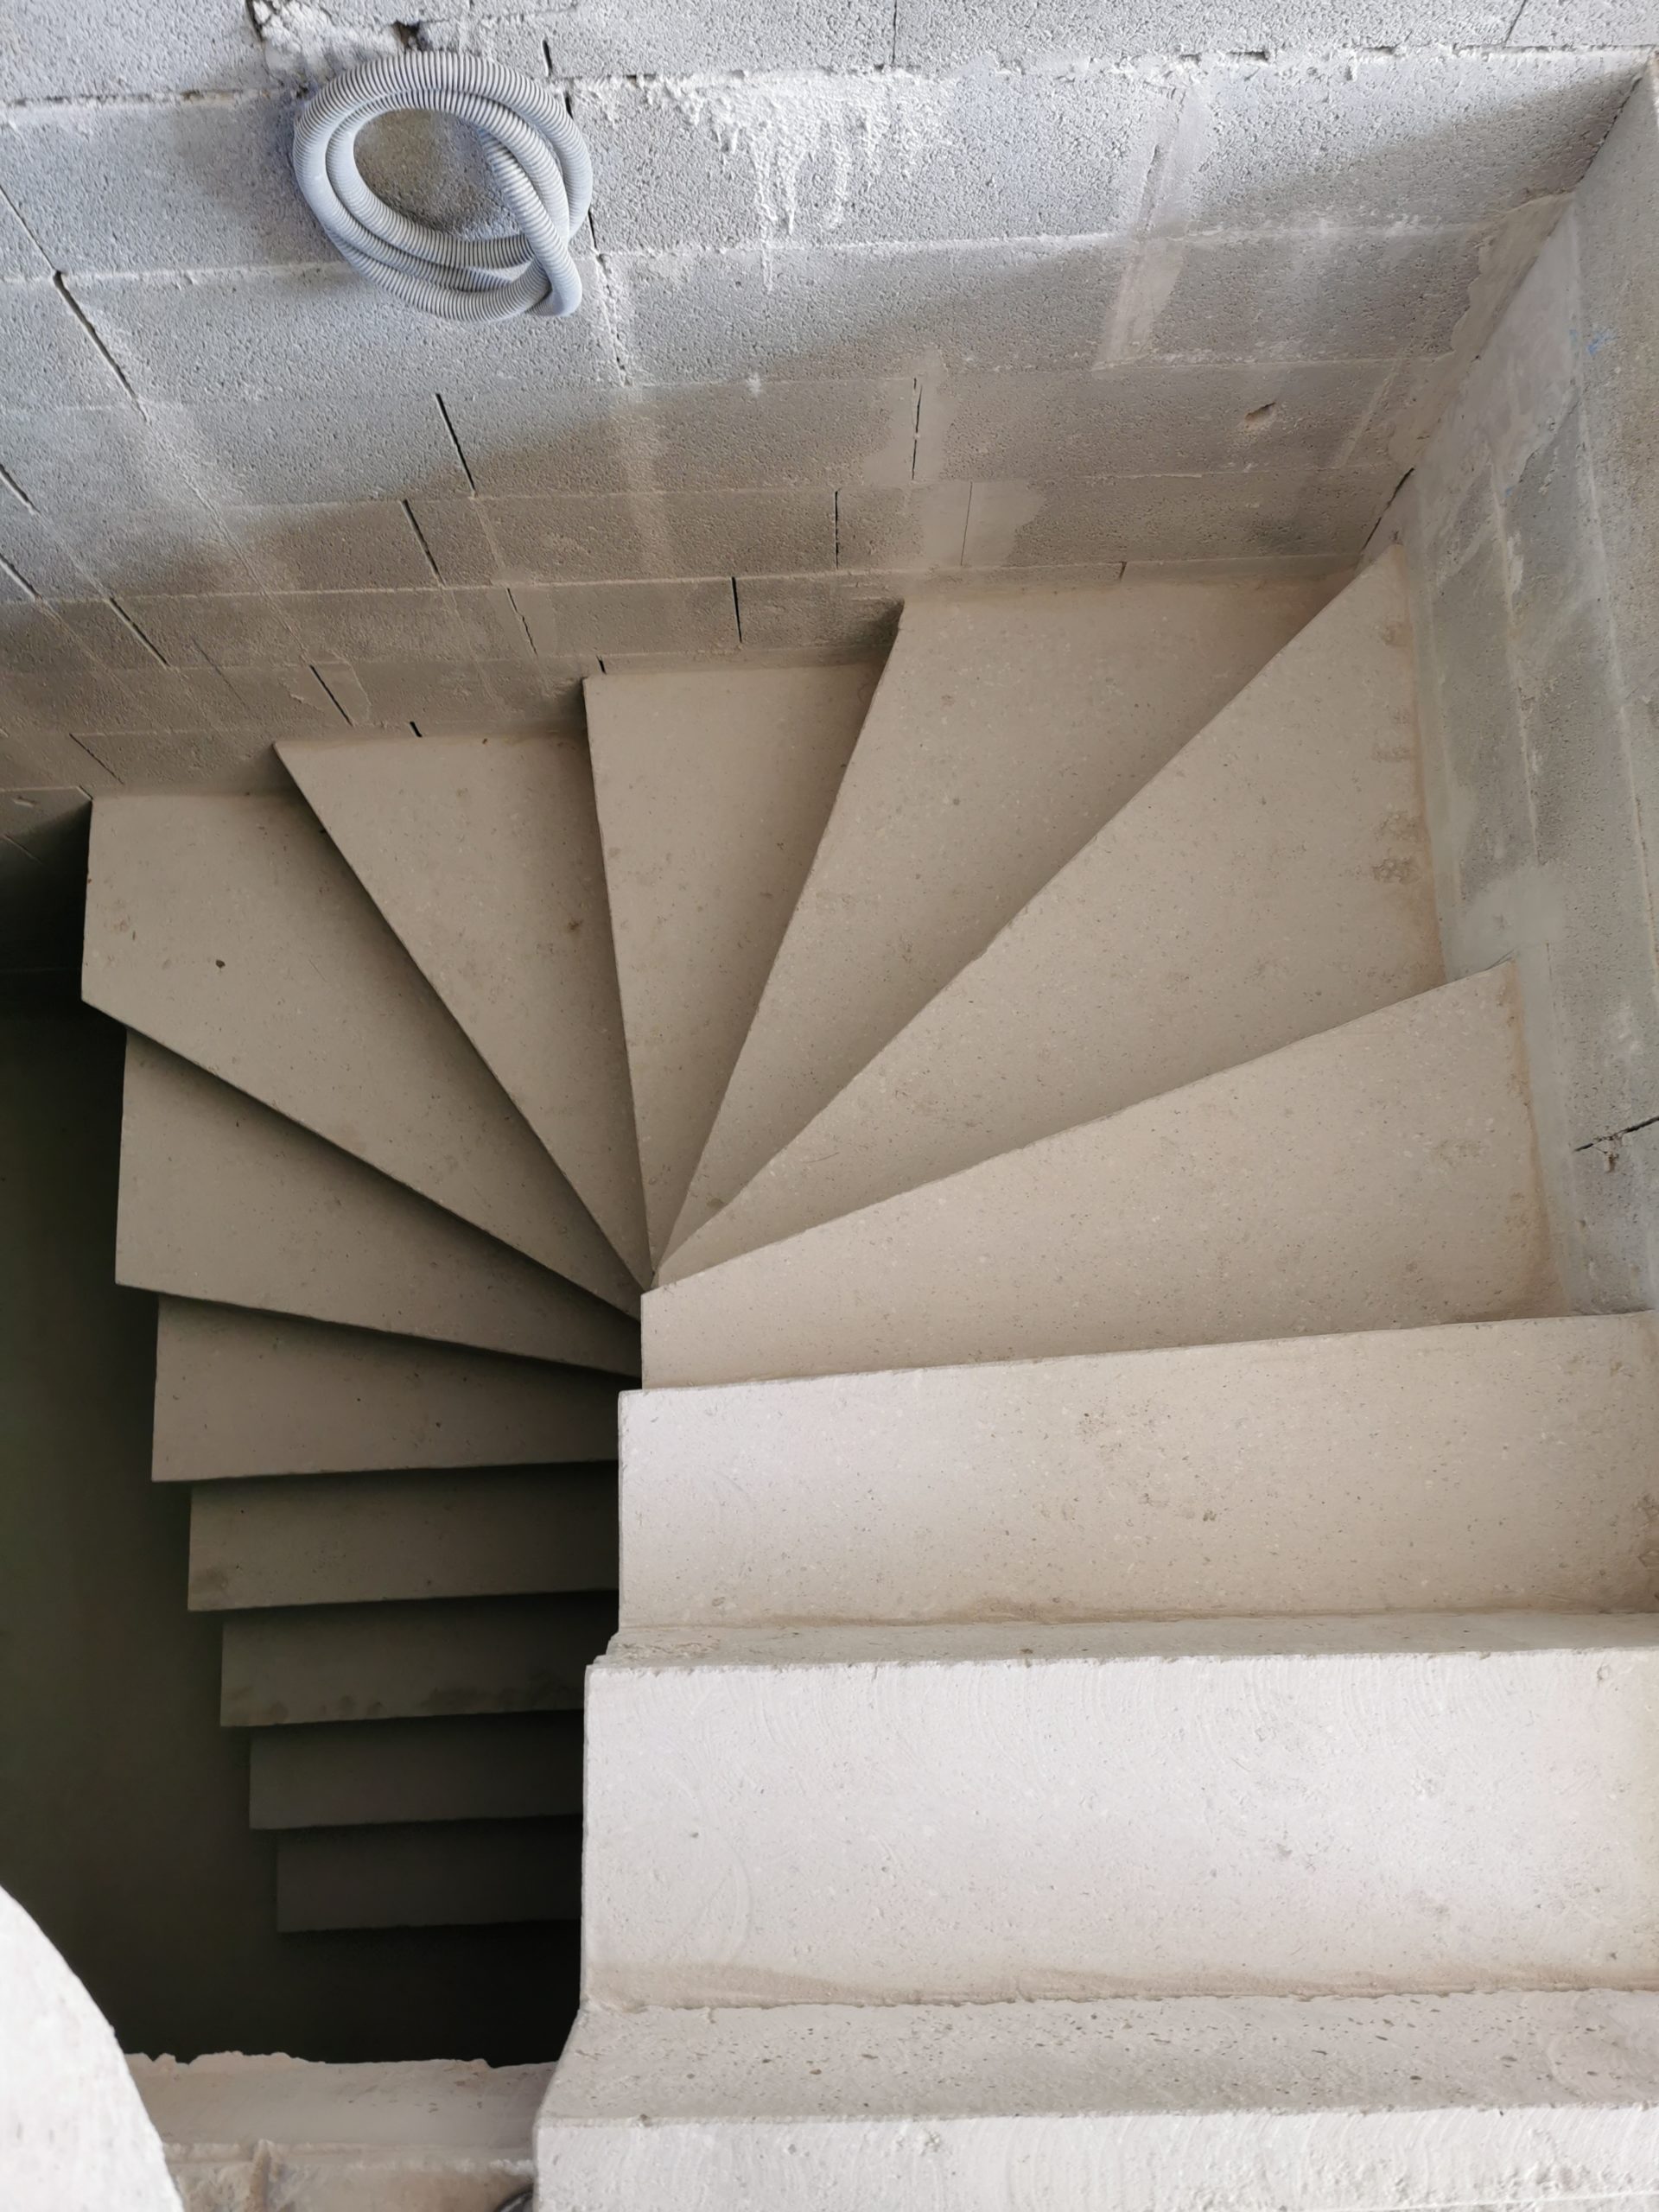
{"points": [[537, 158]]}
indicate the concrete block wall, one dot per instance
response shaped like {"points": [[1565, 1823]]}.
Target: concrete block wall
{"points": [[1019, 287], [1532, 521]]}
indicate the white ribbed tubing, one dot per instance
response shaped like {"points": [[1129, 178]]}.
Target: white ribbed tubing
{"points": [[537, 157]]}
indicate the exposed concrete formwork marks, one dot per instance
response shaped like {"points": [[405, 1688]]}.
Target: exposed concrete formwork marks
{"points": [[872, 295]]}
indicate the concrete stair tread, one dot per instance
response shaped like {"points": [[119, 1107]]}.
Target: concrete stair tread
{"points": [[439, 2132], [1382, 1175], [1005, 730], [483, 857], [1335, 1806], [404, 1662], [330, 1539], [712, 787], [258, 1394], [1477, 1465], [478, 1767], [231, 931], [1164, 2105], [1272, 881], [223, 1199], [454, 1874]]}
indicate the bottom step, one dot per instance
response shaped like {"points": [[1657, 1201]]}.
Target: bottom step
{"points": [[1160, 2105], [245, 2134]]}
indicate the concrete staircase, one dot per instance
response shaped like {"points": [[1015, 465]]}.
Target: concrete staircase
{"points": [[1138, 1662]]}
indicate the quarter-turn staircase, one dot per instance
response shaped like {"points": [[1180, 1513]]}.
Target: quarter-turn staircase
{"points": [[1138, 1677]]}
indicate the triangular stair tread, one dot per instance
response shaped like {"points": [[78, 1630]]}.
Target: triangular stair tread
{"points": [[1472, 1467], [450, 1874], [965, 1814], [1383, 1175], [1172, 2104], [517, 1766], [231, 931], [371, 1663], [483, 853], [223, 1199], [713, 787], [1006, 728], [1273, 881], [368, 1538], [240, 1393]]}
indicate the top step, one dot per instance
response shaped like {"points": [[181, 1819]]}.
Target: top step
{"points": [[712, 787], [1006, 727], [1273, 881], [483, 855]]}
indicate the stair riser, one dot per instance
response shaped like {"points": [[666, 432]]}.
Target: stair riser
{"points": [[1466, 1468], [1344, 1820]]}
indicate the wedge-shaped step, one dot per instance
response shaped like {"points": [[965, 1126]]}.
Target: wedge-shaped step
{"points": [[334, 1540], [1382, 1176], [714, 787], [230, 930], [1499, 1464], [442, 2135], [1006, 728], [1274, 880], [961, 1815], [483, 853], [374, 1772], [260, 1394], [461, 1874], [1263, 2104], [364, 1662], [221, 1198]]}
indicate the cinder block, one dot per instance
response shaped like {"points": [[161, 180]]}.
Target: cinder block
{"points": [[320, 449], [1579, 23], [428, 625], [19, 255], [366, 544], [286, 703], [694, 615], [1335, 294], [87, 457], [145, 699], [622, 38], [1551, 542], [553, 540], [36, 557], [270, 332], [152, 550], [229, 757], [34, 708], [364, 1773], [706, 437], [923, 528], [1148, 418], [34, 641], [1239, 513], [1603, 969], [930, 34], [852, 614], [1617, 207], [246, 628], [140, 46], [191, 184], [103, 632], [50, 758], [990, 153], [832, 311], [52, 359], [454, 536], [1427, 137]]}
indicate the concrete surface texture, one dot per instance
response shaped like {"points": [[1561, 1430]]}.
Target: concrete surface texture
{"points": [[872, 295], [1383, 1175], [242, 2133], [1350, 2104], [1465, 1468], [1055, 1820], [1103, 687], [1272, 881], [73, 2132], [1532, 525], [471, 1768]]}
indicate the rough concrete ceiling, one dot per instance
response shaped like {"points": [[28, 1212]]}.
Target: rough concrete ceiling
{"points": [[1003, 286]]}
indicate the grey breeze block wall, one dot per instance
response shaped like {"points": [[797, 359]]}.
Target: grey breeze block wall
{"points": [[1532, 524], [1017, 286]]}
